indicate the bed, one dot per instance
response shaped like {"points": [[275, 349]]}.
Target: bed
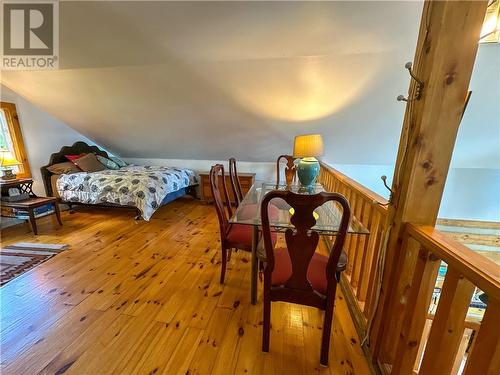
{"points": [[144, 188]]}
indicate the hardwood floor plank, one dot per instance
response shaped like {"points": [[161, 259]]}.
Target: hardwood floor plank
{"points": [[69, 355], [206, 352], [33, 359], [135, 297]]}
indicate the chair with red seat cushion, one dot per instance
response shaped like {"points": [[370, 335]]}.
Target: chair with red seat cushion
{"points": [[240, 235], [317, 268], [297, 273], [233, 236]]}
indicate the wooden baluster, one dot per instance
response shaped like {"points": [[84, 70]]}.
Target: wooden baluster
{"points": [[448, 324], [416, 311], [336, 185], [377, 233], [484, 357], [361, 243], [345, 192], [421, 347], [351, 197], [464, 343], [363, 272], [354, 238]]}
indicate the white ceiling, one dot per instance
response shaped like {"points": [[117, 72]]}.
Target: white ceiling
{"points": [[202, 80]]}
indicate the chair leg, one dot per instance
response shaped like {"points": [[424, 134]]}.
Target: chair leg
{"points": [[325, 339], [223, 265], [266, 327]]}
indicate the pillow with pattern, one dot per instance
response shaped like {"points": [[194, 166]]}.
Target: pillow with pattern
{"points": [[118, 161], [110, 164]]}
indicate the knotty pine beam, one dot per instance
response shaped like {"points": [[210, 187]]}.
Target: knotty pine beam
{"points": [[444, 59]]}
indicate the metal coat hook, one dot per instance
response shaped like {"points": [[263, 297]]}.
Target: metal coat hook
{"points": [[419, 88], [384, 180]]}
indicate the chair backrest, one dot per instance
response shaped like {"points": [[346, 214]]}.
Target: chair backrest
{"points": [[235, 181], [216, 177], [290, 169], [302, 241]]}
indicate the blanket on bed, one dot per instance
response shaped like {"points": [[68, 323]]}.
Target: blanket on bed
{"points": [[143, 187]]}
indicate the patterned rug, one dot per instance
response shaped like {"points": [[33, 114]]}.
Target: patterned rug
{"points": [[20, 257]]}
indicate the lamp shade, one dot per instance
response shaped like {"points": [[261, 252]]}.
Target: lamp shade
{"points": [[309, 145], [8, 160]]}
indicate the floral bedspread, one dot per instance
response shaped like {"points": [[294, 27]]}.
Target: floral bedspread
{"points": [[143, 187]]}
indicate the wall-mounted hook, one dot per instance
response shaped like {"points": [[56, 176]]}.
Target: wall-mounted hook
{"points": [[418, 89], [420, 84], [384, 180]]}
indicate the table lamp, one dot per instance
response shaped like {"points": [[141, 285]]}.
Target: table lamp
{"points": [[8, 160], [308, 147]]}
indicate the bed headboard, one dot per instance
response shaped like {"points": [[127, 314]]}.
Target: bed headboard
{"points": [[58, 157]]}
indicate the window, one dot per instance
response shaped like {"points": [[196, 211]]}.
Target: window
{"points": [[12, 139]]}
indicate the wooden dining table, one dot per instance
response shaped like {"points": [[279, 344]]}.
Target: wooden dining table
{"points": [[328, 218]]}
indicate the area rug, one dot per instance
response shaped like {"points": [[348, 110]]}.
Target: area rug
{"points": [[20, 257]]}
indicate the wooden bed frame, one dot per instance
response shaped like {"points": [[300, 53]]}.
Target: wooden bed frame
{"points": [[83, 148]]}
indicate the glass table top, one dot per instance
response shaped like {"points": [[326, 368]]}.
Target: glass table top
{"points": [[327, 216]]}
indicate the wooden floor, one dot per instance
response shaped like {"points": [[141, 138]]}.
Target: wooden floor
{"points": [[144, 297]]}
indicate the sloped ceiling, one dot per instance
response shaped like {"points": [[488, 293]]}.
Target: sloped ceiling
{"points": [[212, 80]]}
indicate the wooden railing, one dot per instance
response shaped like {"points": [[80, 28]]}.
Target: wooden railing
{"points": [[414, 340], [439, 350], [362, 274]]}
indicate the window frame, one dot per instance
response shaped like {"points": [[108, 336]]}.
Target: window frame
{"points": [[19, 151]]}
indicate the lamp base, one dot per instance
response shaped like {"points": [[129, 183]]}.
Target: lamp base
{"points": [[308, 171], [8, 175]]}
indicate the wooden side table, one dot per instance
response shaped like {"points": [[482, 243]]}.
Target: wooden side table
{"points": [[30, 204], [246, 181]]}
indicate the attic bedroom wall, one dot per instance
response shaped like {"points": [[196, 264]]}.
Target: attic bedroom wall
{"points": [[43, 134], [473, 183]]}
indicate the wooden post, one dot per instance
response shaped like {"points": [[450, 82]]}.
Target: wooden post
{"points": [[424, 277], [444, 58]]}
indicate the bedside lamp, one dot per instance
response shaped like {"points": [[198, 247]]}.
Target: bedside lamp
{"points": [[308, 147], [8, 160]]}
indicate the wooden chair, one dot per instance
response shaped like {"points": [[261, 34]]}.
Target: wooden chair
{"points": [[235, 182], [233, 236], [296, 273], [290, 169], [250, 209]]}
